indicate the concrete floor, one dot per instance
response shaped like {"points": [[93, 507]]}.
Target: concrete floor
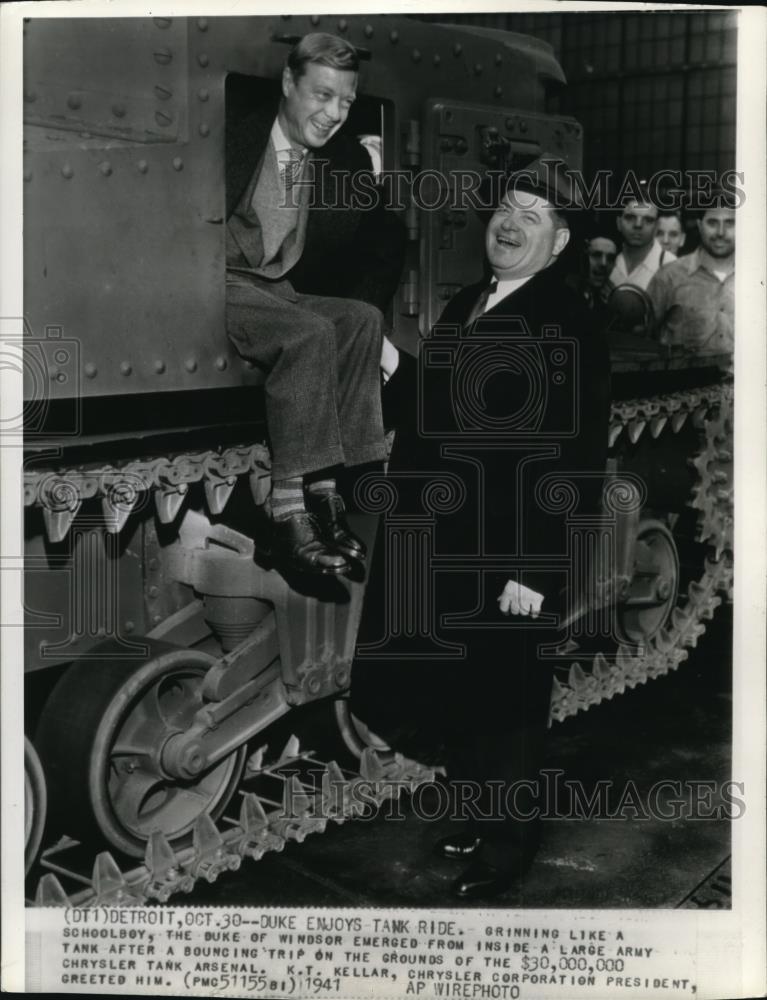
{"points": [[677, 728]]}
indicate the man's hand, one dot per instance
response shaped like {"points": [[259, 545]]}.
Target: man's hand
{"points": [[389, 358], [518, 600]]}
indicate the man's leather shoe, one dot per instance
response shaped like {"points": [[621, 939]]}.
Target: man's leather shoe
{"points": [[297, 543], [330, 511], [458, 847], [481, 881]]}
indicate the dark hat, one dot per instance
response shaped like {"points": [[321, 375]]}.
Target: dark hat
{"points": [[547, 176]]}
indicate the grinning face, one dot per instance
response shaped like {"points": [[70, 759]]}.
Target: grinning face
{"points": [[636, 224], [316, 104], [669, 233], [601, 254], [717, 232], [523, 236]]}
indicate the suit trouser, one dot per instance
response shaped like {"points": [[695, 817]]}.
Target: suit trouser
{"points": [[498, 740], [321, 356]]}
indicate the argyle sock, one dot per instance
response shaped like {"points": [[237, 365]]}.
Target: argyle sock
{"points": [[321, 486], [287, 498]]}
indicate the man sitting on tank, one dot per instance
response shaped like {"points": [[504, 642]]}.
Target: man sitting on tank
{"points": [[693, 299], [305, 282]]}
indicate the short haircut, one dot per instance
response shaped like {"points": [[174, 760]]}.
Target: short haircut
{"points": [[672, 213], [717, 198], [642, 202], [325, 50]]}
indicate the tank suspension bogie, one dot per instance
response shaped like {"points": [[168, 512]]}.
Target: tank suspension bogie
{"points": [[652, 593], [102, 737], [303, 805]]}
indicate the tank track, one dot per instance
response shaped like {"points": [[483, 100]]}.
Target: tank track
{"points": [[267, 825], [577, 687], [326, 794], [166, 481], [126, 488]]}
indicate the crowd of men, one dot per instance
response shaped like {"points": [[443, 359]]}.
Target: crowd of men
{"points": [[305, 294], [688, 276]]}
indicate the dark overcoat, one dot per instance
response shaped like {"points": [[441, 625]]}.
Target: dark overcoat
{"points": [[501, 439]]}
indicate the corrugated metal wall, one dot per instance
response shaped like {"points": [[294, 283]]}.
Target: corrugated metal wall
{"points": [[653, 91]]}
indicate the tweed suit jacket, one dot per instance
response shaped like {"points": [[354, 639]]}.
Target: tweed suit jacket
{"points": [[352, 251]]}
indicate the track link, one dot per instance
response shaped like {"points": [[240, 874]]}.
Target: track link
{"points": [[577, 687], [324, 794]]}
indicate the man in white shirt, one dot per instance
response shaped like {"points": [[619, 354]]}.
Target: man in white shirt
{"points": [[694, 298], [641, 255]]}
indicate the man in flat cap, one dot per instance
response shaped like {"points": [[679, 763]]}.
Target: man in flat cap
{"points": [[520, 418]]}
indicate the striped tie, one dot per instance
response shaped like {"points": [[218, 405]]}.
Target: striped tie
{"points": [[292, 169], [481, 303]]}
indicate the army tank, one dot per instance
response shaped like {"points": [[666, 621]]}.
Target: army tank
{"points": [[159, 653]]}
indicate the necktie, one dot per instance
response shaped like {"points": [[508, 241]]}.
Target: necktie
{"points": [[292, 169], [481, 303]]}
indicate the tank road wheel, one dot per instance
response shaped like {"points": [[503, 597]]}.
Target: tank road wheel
{"points": [[654, 586], [101, 736], [34, 804]]}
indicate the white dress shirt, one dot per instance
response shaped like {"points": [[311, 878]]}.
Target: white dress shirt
{"points": [[502, 289], [643, 272]]}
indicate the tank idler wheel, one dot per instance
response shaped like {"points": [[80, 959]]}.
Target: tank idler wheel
{"points": [[101, 736], [654, 587], [34, 804]]}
